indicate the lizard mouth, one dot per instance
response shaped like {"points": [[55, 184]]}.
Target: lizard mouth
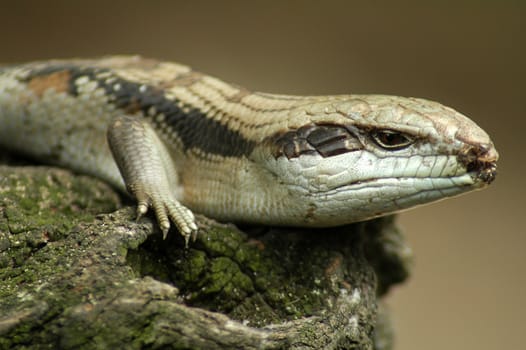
{"points": [[483, 171], [480, 161]]}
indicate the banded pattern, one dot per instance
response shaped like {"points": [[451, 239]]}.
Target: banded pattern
{"points": [[192, 126]]}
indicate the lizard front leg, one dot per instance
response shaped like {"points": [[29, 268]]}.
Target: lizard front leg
{"points": [[149, 173]]}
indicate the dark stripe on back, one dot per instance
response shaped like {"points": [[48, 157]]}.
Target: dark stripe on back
{"points": [[193, 127]]}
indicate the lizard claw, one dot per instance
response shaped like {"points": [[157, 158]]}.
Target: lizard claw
{"points": [[167, 208]]}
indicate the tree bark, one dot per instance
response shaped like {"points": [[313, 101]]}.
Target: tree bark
{"points": [[73, 278]]}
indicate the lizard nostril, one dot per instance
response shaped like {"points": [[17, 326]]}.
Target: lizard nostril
{"points": [[488, 153]]}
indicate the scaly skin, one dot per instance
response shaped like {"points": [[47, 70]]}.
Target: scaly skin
{"points": [[184, 142]]}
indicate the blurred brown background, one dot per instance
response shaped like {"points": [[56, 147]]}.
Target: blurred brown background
{"points": [[468, 288]]}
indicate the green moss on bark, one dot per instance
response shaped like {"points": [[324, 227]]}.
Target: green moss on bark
{"points": [[74, 279]]}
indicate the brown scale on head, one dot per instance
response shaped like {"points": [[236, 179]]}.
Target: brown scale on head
{"points": [[325, 140]]}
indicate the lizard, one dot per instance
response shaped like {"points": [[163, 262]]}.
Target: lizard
{"points": [[180, 142]]}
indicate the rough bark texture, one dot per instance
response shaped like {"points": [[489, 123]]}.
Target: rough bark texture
{"points": [[73, 278]]}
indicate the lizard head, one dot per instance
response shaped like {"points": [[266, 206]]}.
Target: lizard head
{"points": [[364, 156]]}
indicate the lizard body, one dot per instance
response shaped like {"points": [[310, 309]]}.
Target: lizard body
{"points": [[181, 141]]}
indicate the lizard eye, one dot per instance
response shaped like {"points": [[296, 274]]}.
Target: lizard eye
{"points": [[391, 140]]}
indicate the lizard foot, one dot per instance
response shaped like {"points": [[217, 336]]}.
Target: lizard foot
{"points": [[166, 209]]}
